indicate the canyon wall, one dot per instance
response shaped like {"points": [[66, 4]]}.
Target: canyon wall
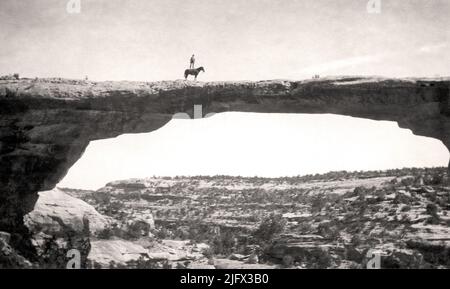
{"points": [[46, 124]]}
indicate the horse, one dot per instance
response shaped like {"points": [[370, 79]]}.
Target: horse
{"points": [[193, 72]]}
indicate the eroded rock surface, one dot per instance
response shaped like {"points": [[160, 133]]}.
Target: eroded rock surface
{"points": [[118, 253], [59, 223]]}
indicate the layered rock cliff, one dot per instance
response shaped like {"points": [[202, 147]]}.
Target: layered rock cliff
{"points": [[45, 125]]}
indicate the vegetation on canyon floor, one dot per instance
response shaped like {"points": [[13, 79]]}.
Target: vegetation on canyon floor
{"points": [[318, 221]]}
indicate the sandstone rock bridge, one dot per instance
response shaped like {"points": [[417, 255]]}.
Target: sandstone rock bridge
{"points": [[46, 124]]}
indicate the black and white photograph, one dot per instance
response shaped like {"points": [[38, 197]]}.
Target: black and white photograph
{"points": [[250, 135]]}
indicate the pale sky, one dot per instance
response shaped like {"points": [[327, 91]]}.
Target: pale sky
{"points": [[268, 145], [151, 40], [232, 39]]}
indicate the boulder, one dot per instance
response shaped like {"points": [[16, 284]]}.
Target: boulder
{"points": [[59, 223], [234, 264], [56, 211], [122, 252], [117, 252], [238, 257]]}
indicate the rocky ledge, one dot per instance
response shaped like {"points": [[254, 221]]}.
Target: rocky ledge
{"points": [[46, 124]]}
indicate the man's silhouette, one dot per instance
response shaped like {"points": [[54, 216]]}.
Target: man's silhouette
{"points": [[192, 65]]}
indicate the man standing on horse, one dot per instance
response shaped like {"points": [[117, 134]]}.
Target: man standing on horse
{"points": [[192, 65]]}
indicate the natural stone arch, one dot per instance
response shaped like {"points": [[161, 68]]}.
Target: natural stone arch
{"points": [[45, 125]]}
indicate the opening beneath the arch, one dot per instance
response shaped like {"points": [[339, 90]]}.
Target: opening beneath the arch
{"points": [[252, 144]]}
